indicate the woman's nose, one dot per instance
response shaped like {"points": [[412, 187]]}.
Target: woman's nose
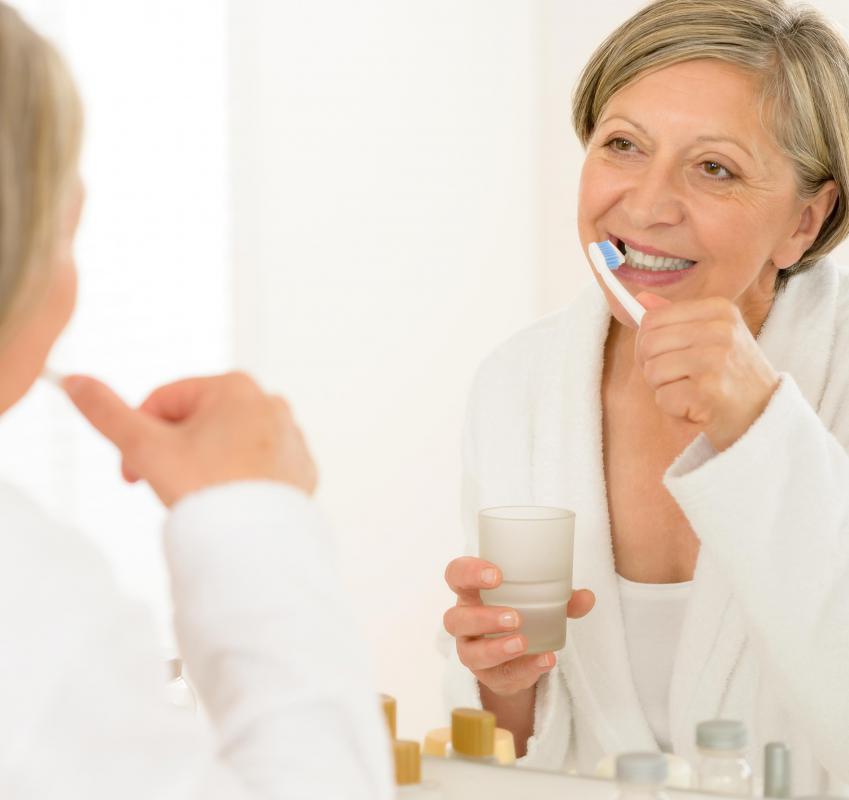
{"points": [[655, 197]]}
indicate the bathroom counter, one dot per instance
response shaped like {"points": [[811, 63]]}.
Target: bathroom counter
{"points": [[465, 780]]}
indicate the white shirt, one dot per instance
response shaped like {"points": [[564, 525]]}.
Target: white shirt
{"points": [[653, 615], [260, 624]]}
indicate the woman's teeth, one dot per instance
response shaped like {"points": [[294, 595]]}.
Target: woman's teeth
{"points": [[635, 258]]}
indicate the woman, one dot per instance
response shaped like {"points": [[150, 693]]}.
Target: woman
{"points": [[705, 453], [82, 686]]}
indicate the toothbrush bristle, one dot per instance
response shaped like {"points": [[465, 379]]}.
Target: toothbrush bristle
{"points": [[612, 256]]}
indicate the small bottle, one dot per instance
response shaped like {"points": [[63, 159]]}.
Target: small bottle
{"points": [[390, 711], [723, 767], [472, 735], [777, 778], [437, 742], [179, 691], [641, 776], [408, 773]]}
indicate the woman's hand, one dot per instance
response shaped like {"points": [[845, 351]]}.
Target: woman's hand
{"points": [[498, 664], [198, 433], [704, 365]]}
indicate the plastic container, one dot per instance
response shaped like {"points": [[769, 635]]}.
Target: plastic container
{"points": [[438, 742], [777, 773], [532, 546], [179, 692], [641, 776], [679, 773], [390, 712], [408, 773], [723, 767], [472, 735]]}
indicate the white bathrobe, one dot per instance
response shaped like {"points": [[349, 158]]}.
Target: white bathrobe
{"points": [[261, 624], [766, 635]]}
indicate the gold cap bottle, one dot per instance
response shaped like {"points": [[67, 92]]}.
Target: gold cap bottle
{"points": [[408, 762], [390, 712], [473, 732]]}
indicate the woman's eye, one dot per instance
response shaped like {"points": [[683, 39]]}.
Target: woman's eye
{"points": [[716, 171], [620, 145]]}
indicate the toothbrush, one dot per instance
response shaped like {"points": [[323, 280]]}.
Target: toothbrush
{"points": [[51, 376], [606, 259]]}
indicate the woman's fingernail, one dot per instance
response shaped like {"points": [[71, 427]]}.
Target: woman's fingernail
{"points": [[514, 645], [545, 660], [489, 576], [508, 620]]}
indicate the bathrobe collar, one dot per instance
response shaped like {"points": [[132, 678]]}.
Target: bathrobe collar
{"points": [[798, 339]]}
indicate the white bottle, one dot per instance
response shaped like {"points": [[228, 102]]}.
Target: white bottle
{"points": [[722, 766], [408, 773], [777, 772], [641, 776]]}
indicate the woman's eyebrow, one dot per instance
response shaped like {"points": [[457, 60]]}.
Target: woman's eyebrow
{"points": [[729, 139]]}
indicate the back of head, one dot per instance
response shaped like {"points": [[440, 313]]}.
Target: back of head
{"points": [[799, 56], [40, 132]]}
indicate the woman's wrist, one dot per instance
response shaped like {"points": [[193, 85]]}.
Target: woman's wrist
{"points": [[515, 712]]}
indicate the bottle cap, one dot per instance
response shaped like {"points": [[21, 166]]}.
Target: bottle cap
{"points": [[776, 770], [721, 734], [643, 768], [473, 732], [408, 762], [390, 711]]}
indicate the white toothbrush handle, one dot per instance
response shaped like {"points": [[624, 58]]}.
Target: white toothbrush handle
{"points": [[634, 309]]}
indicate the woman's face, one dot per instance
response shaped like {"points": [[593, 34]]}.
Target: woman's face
{"points": [[23, 356], [680, 166]]}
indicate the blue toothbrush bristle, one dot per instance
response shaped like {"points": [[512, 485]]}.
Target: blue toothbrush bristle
{"points": [[612, 257]]}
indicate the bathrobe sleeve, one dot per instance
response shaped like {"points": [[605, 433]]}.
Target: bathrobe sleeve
{"points": [[773, 509], [261, 627]]}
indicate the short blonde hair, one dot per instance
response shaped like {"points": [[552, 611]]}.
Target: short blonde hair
{"points": [[801, 58], [40, 134]]}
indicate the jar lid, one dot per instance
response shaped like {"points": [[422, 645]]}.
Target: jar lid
{"points": [[643, 768], [390, 712], [473, 732], [408, 762], [721, 734]]}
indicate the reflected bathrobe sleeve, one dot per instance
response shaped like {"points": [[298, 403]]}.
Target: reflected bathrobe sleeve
{"points": [[773, 509]]}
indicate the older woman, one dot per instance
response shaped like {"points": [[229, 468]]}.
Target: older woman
{"points": [[705, 453], [82, 684]]}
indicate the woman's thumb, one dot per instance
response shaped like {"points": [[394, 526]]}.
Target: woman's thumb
{"points": [[123, 426], [648, 300]]}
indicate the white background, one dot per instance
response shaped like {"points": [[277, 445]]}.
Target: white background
{"points": [[355, 201]]}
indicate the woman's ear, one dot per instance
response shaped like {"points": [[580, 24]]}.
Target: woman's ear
{"points": [[815, 211]]}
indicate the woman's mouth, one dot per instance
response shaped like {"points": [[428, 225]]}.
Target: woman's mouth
{"points": [[650, 269], [636, 258]]}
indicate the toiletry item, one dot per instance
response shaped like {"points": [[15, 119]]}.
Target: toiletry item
{"points": [[777, 776], [390, 712], [437, 742], [722, 766], [179, 691], [606, 258], [679, 773], [641, 776], [472, 735], [532, 546], [408, 773]]}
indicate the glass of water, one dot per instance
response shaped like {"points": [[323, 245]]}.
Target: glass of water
{"points": [[533, 547]]}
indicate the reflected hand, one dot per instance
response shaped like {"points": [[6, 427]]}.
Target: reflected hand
{"points": [[199, 432], [499, 664]]}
